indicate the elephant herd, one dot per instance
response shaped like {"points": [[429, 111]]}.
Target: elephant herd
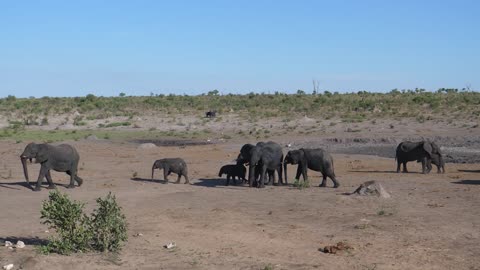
{"points": [[263, 159]]}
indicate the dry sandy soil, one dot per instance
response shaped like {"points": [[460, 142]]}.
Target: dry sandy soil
{"points": [[431, 222]]}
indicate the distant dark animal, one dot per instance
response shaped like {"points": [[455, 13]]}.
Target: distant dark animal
{"points": [[61, 158], [425, 152], [232, 171], [262, 157], [169, 165], [211, 114], [315, 159]]}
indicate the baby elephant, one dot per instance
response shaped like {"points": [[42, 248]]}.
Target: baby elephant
{"points": [[169, 165], [232, 171]]}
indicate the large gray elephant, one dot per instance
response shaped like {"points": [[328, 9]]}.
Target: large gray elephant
{"points": [[426, 152], [315, 159], [61, 158], [169, 165], [264, 157]]}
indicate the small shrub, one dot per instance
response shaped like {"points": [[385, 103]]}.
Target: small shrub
{"points": [[301, 184], [109, 226], [105, 230], [69, 221]]}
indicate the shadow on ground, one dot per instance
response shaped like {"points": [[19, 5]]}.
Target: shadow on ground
{"points": [[467, 182], [138, 179], [214, 182], [472, 171], [11, 185], [29, 241], [357, 171]]}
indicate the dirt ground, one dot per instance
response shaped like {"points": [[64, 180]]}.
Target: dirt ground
{"points": [[431, 222]]}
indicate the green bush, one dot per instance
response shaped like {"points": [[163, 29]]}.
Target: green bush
{"points": [[109, 226], [69, 222], [105, 230]]}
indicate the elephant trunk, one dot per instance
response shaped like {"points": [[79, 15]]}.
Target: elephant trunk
{"points": [[285, 171], [25, 169], [153, 170], [251, 173]]}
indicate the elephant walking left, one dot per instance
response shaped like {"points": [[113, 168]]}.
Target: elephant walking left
{"points": [[61, 158]]}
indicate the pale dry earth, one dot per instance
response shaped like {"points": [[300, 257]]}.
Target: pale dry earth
{"points": [[431, 222]]}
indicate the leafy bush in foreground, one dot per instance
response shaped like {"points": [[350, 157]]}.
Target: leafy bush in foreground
{"points": [[105, 230]]}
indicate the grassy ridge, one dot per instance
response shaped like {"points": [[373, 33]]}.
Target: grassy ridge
{"points": [[350, 105]]}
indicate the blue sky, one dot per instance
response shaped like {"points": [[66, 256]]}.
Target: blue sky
{"points": [[72, 48]]}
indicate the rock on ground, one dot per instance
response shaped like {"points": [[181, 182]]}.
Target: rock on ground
{"points": [[371, 188], [147, 146]]}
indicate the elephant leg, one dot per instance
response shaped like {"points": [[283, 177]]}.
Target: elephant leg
{"points": [[187, 181], [178, 178], [336, 184], [405, 167], [79, 180], [41, 175], [165, 174], [324, 180], [261, 183], [228, 180], [304, 172], [398, 165], [72, 179], [424, 166], [299, 172], [51, 185]]}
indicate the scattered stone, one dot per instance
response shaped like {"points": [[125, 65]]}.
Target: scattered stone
{"points": [[340, 246], [91, 138], [371, 188], [20, 244], [8, 266], [138, 234], [170, 245], [147, 146], [8, 244]]}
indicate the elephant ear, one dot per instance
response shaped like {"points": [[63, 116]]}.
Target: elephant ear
{"points": [[42, 153], [436, 149], [427, 146], [302, 155]]}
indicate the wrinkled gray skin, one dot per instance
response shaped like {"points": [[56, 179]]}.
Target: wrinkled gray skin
{"points": [[232, 171], [61, 158], [437, 161], [245, 159], [169, 165], [425, 152], [262, 157], [315, 159]]}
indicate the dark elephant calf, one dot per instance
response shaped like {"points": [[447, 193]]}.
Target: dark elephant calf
{"points": [[169, 165], [232, 171]]}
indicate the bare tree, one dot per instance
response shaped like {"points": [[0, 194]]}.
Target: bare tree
{"points": [[315, 86]]}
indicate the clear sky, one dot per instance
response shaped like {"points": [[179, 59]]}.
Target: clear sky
{"points": [[72, 48]]}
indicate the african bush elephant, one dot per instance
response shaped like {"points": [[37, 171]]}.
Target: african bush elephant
{"points": [[264, 157], [315, 159], [232, 171], [425, 152], [61, 158], [169, 165]]}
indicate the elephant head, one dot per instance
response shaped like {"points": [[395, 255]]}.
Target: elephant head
{"points": [[156, 165], [293, 157], [33, 151]]}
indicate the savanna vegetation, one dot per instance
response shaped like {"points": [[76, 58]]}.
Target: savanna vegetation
{"points": [[396, 103], [418, 104]]}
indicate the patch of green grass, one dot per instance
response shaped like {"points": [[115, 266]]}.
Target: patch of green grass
{"points": [[301, 184]]}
